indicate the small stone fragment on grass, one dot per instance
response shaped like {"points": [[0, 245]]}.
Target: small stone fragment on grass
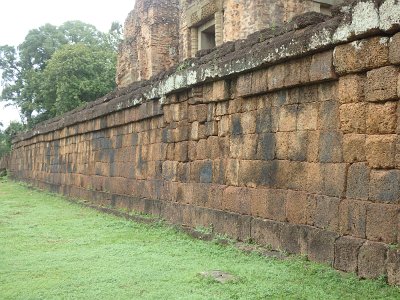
{"points": [[219, 276]]}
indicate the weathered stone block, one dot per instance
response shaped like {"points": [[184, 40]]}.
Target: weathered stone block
{"points": [[297, 147], [382, 220], [268, 173], [296, 207], [382, 84], [250, 147], [351, 88], [385, 186], [200, 194], [192, 150], [276, 205], [211, 128], [371, 260], [393, 266], [236, 146], [333, 179], [329, 115], [266, 232], [313, 146], [282, 145], [291, 175], [248, 122], [398, 87], [235, 105], [311, 208], [287, 118], [307, 118], [331, 146], [194, 131], [290, 238], [243, 85], [352, 117], [169, 170], [279, 98], [232, 172], [206, 171], [211, 108], [327, 91], [266, 146], [394, 49], [219, 169], [322, 66], [258, 202], [220, 90], [358, 181], [215, 195], [222, 108], [297, 71], [259, 82], [237, 200], [320, 245], [327, 213], [382, 118], [236, 125], [230, 199], [250, 173], [233, 225], [224, 126], [181, 152], [264, 120], [361, 55], [276, 76], [314, 177], [381, 150], [354, 147], [202, 152], [197, 113], [251, 103], [346, 253], [213, 146], [183, 172]]}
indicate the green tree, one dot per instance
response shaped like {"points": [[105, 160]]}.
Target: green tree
{"points": [[74, 75], [7, 135], [23, 68]]}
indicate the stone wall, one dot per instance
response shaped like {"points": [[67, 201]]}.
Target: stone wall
{"points": [[290, 139], [239, 18], [151, 40], [159, 34]]}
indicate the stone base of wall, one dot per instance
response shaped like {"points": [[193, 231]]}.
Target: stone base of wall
{"points": [[365, 258]]}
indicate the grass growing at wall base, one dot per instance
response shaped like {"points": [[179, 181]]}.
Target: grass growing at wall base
{"points": [[50, 248]]}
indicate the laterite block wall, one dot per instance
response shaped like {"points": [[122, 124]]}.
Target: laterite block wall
{"points": [[290, 138]]}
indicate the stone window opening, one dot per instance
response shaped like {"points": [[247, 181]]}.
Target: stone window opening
{"points": [[206, 36], [325, 6]]}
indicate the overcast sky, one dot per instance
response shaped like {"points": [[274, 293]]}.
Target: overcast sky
{"points": [[20, 16]]}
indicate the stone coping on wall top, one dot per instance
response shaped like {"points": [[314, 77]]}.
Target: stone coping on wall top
{"points": [[305, 35]]}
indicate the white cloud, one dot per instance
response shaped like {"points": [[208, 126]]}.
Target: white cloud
{"points": [[8, 114]]}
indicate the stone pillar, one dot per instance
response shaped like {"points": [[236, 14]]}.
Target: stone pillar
{"points": [[194, 41], [219, 28]]}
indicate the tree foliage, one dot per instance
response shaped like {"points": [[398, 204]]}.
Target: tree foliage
{"points": [[7, 135], [74, 75], [56, 69]]}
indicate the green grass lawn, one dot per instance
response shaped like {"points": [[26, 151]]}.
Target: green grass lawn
{"points": [[54, 249]]}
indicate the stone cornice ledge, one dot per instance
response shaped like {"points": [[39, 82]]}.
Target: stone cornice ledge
{"points": [[354, 20]]}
